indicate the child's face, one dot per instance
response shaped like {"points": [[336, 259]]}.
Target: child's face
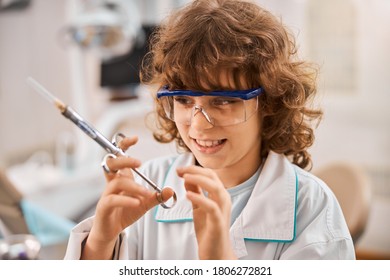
{"points": [[216, 147], [219, 147]]}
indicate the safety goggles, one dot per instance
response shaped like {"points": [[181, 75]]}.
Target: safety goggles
{"points": [[220, 108]]}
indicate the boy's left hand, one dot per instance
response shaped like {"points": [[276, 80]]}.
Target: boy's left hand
{"points": [[211, 212]]}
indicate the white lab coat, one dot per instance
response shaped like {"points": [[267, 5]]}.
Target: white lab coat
{"points": [[291, 214]]}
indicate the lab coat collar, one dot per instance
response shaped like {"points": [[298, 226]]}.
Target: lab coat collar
{"points": [[270, 214], [182, 211]]}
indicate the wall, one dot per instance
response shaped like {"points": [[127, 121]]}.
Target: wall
{"points": [[356, 126], [29, 46], [356, 123]]}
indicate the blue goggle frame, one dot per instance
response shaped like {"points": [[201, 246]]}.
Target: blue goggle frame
{"points": [[245, 94]]}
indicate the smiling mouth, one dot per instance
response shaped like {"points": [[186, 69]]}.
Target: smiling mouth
{"points": [[209, 143]]}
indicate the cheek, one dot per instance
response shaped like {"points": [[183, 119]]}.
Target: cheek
{"points": [[183, 131], [245, 137], [249, 134]]}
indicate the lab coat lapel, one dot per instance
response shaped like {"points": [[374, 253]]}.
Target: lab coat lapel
{"points": [[182, 211], [270, 213]]}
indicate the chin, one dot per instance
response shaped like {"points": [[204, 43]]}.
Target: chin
{"points": [[211, 162]]}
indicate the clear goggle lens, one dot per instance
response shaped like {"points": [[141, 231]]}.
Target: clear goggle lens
{"points": [[218, 110]]}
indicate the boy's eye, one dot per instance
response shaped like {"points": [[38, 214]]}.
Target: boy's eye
{"points": [[220, 101], [182, 100]]}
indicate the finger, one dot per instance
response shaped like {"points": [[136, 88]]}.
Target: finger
{"points": [[207, 205], [126, 172], [193, 186], [212, 186], [109, 176], [122, 173], [157, 198], [126, 186], [167, 193], [193, 169], [208, 175], [112, 201], [127, 142], [123, 162]]}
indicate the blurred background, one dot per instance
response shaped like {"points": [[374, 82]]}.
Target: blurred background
{"points": [[87, 53]]}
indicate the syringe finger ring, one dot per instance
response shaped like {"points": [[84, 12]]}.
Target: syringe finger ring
{"points": [[105, 166], [119, 136]]}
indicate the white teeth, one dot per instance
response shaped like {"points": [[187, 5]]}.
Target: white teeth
{"points": [[208, 143]]}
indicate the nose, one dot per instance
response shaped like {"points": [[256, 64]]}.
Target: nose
{"points": [[200, 119]]}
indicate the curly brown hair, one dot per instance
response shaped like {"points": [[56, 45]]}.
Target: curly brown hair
{"points": [[191, 48]]}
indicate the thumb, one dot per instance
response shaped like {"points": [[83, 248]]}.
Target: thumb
{"points": [[167, 198]]}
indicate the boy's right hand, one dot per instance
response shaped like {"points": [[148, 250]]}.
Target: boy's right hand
{"points": [[122, 203]]}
